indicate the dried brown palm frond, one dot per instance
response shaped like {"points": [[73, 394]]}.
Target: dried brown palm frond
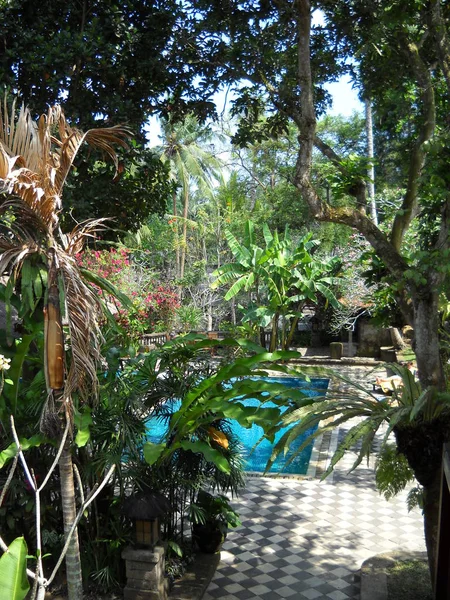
{"points": [[75, 241], [83, 310], [19, 224], [35, 158]]}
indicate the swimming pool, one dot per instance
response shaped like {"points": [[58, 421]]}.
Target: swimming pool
{"points": [[256, 461]]}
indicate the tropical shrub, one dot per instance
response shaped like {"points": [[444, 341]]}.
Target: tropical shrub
{"points": [[153, 306], [279, 279]]}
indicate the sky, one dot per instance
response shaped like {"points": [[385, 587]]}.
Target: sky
{"points": [[345, 102]]}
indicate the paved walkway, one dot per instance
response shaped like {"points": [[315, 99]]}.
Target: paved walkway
{"points": [[307, 539]]}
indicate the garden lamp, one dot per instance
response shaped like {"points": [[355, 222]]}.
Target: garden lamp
{"points": [[146, 509]]}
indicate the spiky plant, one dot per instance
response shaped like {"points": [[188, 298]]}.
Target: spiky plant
{"points": [[419, 419], [39, 261]]}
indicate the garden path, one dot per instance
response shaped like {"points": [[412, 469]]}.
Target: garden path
{"points": [[306, 539]]}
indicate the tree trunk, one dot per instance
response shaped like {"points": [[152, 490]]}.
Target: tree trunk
{"points": [[426, 333], [396, 338], [73, 562], [283, 333], [371, 169], [262, 337], [184, 246], [273, 337], [291, 334], [431, 499], [177, 246], [209, 317], [421, 442]]}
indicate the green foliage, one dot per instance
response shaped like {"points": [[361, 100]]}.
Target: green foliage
{"points": [[209, 508], [25, 443], [282, 277], [13, 577], [189, 317], [153, 246], [83, 422], [392, 472], [105, 63], [218, 396], [142, 188]]}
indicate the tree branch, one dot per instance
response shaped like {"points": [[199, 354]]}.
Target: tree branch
{"points": [[409, 205], [307, 138], [437, 28]]}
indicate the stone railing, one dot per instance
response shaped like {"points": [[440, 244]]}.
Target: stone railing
{"points": [[151, 340]]}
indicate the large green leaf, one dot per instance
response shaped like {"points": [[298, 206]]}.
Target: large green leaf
{"points": [[11, 451], [107, 287], [227, 273], [240, 252], [237, 286], [152, 452], [13, 575], [83, 422], [210, 454]]}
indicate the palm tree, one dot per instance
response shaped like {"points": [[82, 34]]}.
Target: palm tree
{"points": [[35, 160], [190, 164]]}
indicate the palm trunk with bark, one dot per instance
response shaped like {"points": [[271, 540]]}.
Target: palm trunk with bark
{"points": [[177, 246], [55, 375], [184, 243], [73, 560]]}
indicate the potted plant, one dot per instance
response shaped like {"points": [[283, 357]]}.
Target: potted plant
{"points": [[211, 516]]}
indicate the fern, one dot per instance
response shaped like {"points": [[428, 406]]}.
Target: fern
{"points": [[415, 498], [392, 472]]}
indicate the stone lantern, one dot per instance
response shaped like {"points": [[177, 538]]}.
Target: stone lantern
{"points": [[145, 559], [146, 510]]}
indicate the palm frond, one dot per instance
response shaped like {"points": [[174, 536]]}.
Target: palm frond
{"points": [[75, 241], [83, 312], [104, 140], [35, 158]]}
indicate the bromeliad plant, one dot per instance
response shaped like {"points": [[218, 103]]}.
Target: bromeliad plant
{"points": [[39, 263]]}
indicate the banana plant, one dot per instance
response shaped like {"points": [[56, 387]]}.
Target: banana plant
{"points": [[281, 277]]}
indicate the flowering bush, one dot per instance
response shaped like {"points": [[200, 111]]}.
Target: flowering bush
{"points": [[113, 265], [153, 307], [155, 311]]}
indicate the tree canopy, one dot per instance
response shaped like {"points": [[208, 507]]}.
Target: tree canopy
{"points": [[113, 62]]}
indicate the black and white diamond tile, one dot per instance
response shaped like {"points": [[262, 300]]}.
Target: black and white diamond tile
{"points": [[306, 539]]}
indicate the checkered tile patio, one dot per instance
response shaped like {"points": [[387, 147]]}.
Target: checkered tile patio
{"points": [[306, 539]]}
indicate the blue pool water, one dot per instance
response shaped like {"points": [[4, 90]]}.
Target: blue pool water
{"points": [[257, 460]]}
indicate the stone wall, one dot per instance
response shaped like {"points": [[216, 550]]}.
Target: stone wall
{"points": [[371, 338]]}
